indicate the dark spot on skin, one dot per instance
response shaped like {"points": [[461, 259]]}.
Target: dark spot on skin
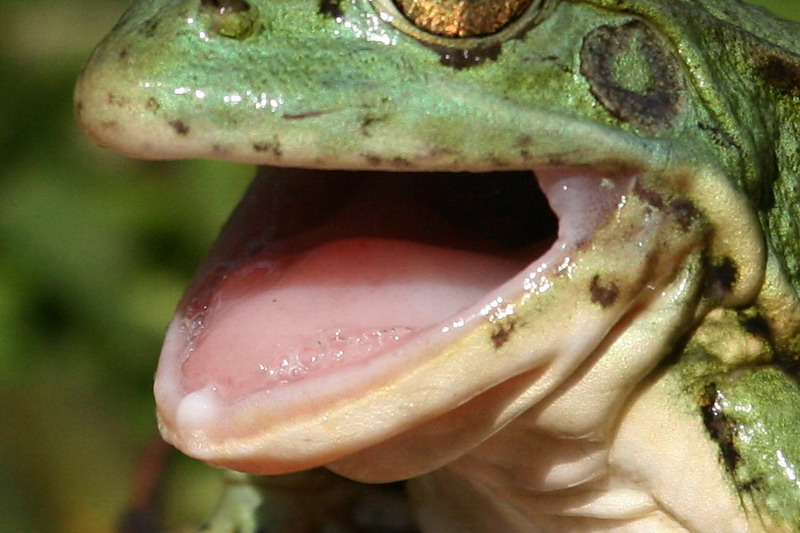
{"points": [[650, 197], [79, 106], [463, 59], [559, 63], [399, 162], [116, 101], [524, 144], [274, 147], [373, 160], [604, 296], [502, 332], [149, 27], [368, 121], [782, 71], [180, 127], [152, 104], [685, 213], [757, 326], [109, 124], [721, 429], [615, 85], [718, 136], [331, 8], [301, 116], [220, 150], [752, 485], [437, 152], [123, 54], [721, 278]]}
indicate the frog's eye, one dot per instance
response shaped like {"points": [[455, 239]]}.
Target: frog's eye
{"points": [[460, 23], [234, 19], [462, 18]]}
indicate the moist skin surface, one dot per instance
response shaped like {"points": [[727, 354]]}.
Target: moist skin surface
{"points": [[578, 376]]}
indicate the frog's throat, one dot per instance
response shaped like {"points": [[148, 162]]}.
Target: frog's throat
{"points": [[269, 368]]}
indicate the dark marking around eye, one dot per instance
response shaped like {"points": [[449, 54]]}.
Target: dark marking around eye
{"points": [[180, 127], [721, 429], [633, 74], [331, 8], [604, 296]]}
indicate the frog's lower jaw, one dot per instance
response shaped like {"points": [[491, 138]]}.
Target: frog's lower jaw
{"points": [[659, 475], [587, 319]]}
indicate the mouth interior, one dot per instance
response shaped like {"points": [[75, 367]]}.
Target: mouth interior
{"points": [[317, 271]]}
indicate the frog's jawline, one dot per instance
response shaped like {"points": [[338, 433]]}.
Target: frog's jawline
{"points": [[304, 216]]}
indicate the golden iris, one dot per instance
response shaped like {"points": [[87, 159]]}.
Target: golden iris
{"points": [[462, 18]]}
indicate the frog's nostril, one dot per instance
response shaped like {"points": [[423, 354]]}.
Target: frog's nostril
{"points": [[226, 7]]}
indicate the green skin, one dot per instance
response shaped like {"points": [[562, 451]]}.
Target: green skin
{"points": [[304, 83]]}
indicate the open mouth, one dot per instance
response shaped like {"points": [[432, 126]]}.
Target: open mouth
{"points": [[320, 271], [329, 286]]}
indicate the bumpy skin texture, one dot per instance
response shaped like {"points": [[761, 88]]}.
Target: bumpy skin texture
{"points": [[683, 415]]}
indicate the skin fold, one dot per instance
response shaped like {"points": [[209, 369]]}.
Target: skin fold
{"points": [[640, 371]]}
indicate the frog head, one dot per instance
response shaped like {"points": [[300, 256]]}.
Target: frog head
{"points": [[466, 214]]}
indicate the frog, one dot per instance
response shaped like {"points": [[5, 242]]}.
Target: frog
{"points": [[538, 260]]}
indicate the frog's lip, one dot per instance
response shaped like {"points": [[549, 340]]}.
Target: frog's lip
{"points": [[325, 417]]}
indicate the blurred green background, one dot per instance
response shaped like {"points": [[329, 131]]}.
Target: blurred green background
{"points": [[95, 250]]}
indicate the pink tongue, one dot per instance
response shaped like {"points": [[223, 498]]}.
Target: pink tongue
{"points": [[276, 320]]}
